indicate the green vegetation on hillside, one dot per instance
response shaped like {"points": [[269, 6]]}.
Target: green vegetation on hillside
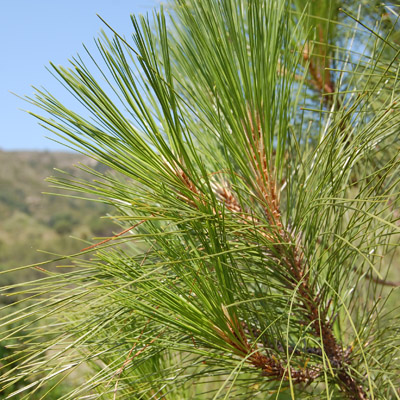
{"points": [[32, 220]]}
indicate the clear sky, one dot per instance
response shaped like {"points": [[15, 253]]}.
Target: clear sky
{"points": [[35, 32]]}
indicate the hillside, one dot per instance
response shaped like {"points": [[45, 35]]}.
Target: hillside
{"points": [[31, 220]]}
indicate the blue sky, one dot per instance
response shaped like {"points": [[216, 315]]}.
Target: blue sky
{"points": [[35, 32]]}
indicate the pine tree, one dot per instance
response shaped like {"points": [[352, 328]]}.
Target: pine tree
{"points": [[252, 149]]}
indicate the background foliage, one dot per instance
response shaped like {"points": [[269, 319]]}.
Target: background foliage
{"points": [[32, 221]]}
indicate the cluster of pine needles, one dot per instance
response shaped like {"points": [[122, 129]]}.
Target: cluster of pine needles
{"points": [[252, 162]]}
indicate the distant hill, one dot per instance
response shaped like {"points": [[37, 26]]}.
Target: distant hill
{"points": [[31, 220]]}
